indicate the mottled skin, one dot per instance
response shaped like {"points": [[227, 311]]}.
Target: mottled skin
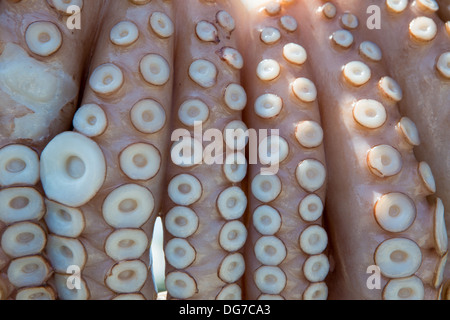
{"points": [[293, 112], [350, 213], [205, 240], [70, 59]]}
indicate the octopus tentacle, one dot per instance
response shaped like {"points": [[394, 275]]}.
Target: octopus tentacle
{"points": [[103, 180], [204, 229], [41, 68], [287, 243], [389, 226]]}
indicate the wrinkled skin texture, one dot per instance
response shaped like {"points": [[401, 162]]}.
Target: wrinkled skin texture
{"points": [[382, 206]]}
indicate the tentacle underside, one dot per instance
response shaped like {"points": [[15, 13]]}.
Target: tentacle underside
{"points": [[378, 215], [103, 181], [422, 46], [286, 251], [203, 214], [41, 67]]}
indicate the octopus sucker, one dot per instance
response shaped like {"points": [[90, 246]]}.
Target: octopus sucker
{"points": [[393, 215], [204, 214], [282, 95]]}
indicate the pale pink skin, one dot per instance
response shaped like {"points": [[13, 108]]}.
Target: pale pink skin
{"points": [[121, 133], [352, 188], [209, 254], [71, 57], [293, 112]]}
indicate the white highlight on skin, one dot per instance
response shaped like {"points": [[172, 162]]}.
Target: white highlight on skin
{"points": [[423, 29], [390, 88], [90, 120], [65, 252], [440, 231], [440, 271], [148, 116], [20, 204], [179, 253], [357, 73], [370, 51], [409, 131], [342, 38], [203, 72], [23, 239], [268, 70], [369, 113], [19, 164], [206, 31], [384, 161], [232, 203], [63, 5], [28, 271], [310, 174], [180, 285], [270, 280], [106, 79], [266, 188], [127, 276], [230, 292], [185, 189], [427, 177], [270, 250], [126, 244], [181, 222], [316, 268], [155, 69], [295, 53], [398, 257], [304, 89], [268, 105], [309, 134], [128, 206], [233, 236], [396, 6], [266, 220], [235, 97], [124, 33], [270, 35], [313, 240], [443, 64], [225, 20], [410, 288], [64, 221], [140, 161], [235, 167], [43, 38], [328, 10], [316, 291], [162, 25], [43, 88], [232, 268], [395, 212], [73, 169], [311, 208], [288, 23]]}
